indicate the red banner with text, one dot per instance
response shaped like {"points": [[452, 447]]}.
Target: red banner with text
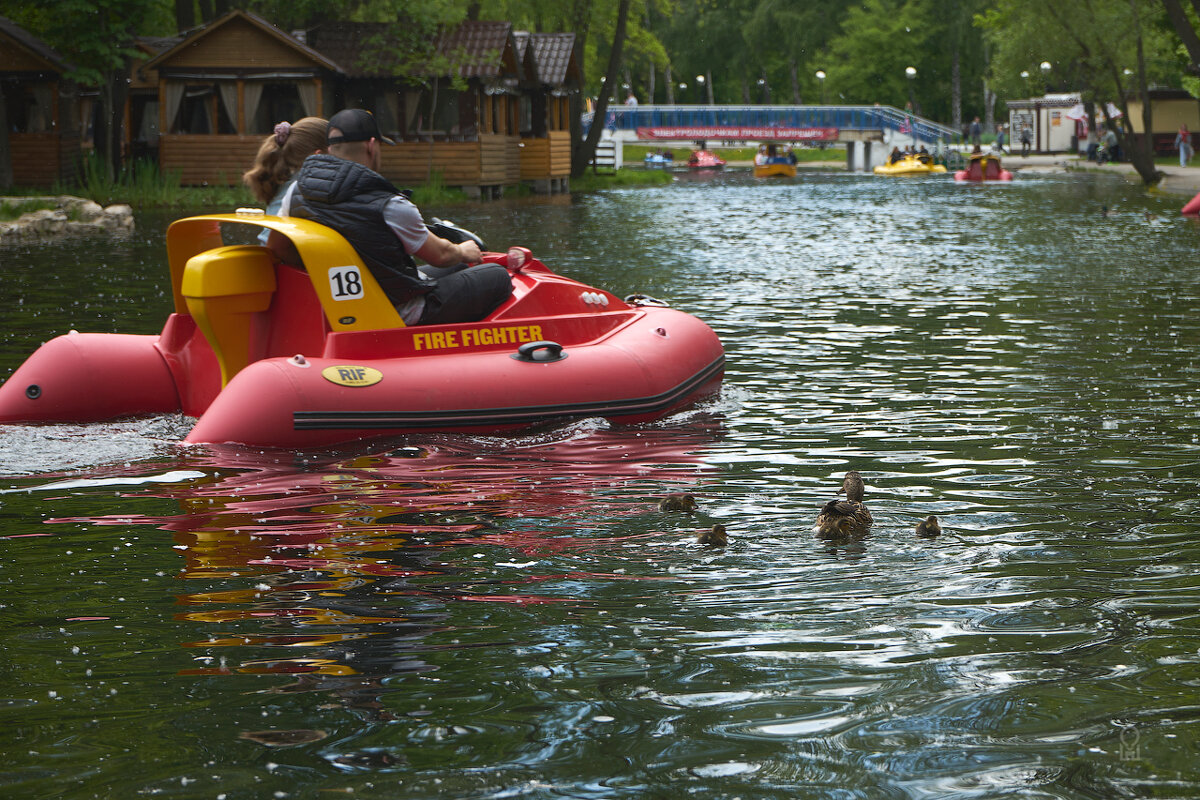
{"points": [[739, 132]]}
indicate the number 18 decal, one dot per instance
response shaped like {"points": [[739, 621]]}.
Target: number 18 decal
{"points": [[345, 283]]}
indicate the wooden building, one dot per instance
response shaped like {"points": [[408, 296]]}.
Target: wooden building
{"points": [[1169, 108], [222, 89], [461, 128], [550, 102], [41, 107]]}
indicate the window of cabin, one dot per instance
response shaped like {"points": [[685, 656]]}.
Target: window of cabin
{"points": [[30, 106], [278, 102], [435, 114], [525, 112], [201, 111], [143, 125]]}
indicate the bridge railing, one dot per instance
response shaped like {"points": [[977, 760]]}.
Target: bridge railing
{"points": [[624, 117]]}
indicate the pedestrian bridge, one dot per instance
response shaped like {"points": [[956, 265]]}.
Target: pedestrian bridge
{"points": [[848, 124]]}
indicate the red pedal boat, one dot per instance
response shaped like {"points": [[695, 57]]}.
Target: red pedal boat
{"points": [[983, 167], [271, 355], [702, 159]]}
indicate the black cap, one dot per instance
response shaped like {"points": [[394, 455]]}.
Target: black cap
{"points": [[356, 125]]}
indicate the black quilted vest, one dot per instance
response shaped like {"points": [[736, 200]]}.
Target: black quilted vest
{"points": [[350, 198]]}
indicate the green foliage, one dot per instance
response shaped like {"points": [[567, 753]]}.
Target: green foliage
{"points": [[592, 182], [1088, 43], [10, 209], [96, 36], [880, 40], [142, 185]]}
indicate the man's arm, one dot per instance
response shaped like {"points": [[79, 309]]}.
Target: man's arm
{"points": [[443, 253], [405, 221]]}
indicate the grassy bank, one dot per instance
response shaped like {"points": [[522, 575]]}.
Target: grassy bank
{"points": [[10, 210], [143, 185]]}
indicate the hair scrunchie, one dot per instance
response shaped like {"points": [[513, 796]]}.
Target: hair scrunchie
{"points": [[281, 132]]}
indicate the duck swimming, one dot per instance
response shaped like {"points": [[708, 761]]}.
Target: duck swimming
{"points": [[845, 519], [678, 502], [716, 537], [929, 527]]}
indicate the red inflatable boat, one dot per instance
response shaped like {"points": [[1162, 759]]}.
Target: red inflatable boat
{"points": [[272, 355], [703, 159], [983, 168]]}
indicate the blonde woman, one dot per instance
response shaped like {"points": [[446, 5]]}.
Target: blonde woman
{"points": [[281, 154]]}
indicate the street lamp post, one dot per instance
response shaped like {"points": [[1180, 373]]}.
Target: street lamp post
{"points": [[699, 90], [821, 81], [911, 72], [1045, 67]]}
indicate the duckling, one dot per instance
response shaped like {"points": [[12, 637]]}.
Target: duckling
{"points": [[678, 502], [848, 519], [929, 527], [716, 537]]}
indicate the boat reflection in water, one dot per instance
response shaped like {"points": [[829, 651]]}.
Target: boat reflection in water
{"points": [[335, 570]]}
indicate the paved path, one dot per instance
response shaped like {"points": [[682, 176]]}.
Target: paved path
{"points": [[1179, 180]]}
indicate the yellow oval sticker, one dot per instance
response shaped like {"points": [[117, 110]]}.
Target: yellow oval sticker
{"points": [[352, 375]]}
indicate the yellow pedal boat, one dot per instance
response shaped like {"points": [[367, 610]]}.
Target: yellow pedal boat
{"points": [[918, 164], [783, 169]]}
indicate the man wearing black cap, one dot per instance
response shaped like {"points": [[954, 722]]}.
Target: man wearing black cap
{"points": [[345, 191]]}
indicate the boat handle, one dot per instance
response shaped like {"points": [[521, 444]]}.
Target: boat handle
{"points": [[539, 352]]}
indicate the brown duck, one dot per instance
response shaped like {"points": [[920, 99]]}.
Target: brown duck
{"points": [[845, 519], [677, 502], [929, 527], [716, 537]]}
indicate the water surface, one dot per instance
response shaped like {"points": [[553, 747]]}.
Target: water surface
{"points": [[497, 617]]}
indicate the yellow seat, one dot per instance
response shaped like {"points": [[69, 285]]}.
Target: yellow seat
{"points": [[225, 288]]}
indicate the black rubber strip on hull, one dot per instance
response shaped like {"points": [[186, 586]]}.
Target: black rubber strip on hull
{"points": [[371, 420]]}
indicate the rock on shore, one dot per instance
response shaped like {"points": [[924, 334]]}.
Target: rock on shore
{"points": [[71, 216]]}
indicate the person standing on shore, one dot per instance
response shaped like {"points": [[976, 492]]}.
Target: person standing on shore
{"points": [[1183, 141]]}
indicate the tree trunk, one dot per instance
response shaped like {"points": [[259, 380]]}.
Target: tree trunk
{"points": [[956, 90], [766, 98], [708, 85], [1141, 152], [185, 15], [745, 91], [794, 73], [6, 172], [989, 97], [1187, 34], [670, 86], [650, 86], [206, 11], [583, 151]]}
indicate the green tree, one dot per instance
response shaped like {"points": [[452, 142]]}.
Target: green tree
{"points": [[1110, 50], [98, 37], [880, 39], [787, 38]]}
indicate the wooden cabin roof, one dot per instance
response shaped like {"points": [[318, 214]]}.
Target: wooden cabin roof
{"points": [[476, 49], [21, 51], [481, 49], [240, 42], [362, 49], [529, 67], [556, 58]]}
